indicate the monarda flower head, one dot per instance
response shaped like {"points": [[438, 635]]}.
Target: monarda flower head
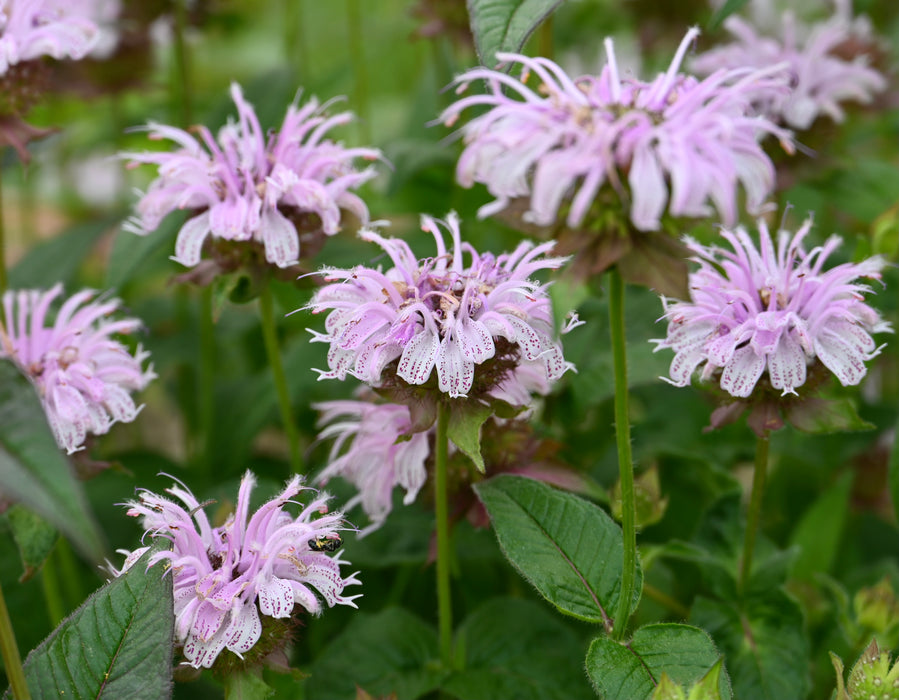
{"points": [[249, 187], [83, 375], [225, 577], [682, 145], [31, 29], [463, 321], [821, 75], [772, 314]]}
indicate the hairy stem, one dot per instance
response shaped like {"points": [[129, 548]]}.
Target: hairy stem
{"points": [[10, 651], [759, 477], [625, 459], [444, 602], [270, 336]]}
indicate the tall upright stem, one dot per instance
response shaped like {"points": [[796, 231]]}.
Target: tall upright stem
{"points": [[181, 80], [10, 651], [625, 459], [759, 477], [444, 601], [206, 378], [360, 68], [273, 352]]}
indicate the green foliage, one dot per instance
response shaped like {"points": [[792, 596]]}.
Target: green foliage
{"points": [[34, 537], [818, 534], [632, 671], [464, 428], [34, 472], [504, 25], [568, 548], [502, 652], [117, 644], [764, 643]]}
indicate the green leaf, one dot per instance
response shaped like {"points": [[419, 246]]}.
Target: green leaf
{"points": [[131, 253], [504, 25], [118, 644], [392, 651], [764, 642], [818, 534], [569, 548], [34, 472], [631, 671], [247, 685], [34, 537], [503, 645], [823, 416], [464, 429], [723, 12], [58, 259]]}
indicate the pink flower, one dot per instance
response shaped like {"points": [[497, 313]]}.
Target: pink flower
{"points": [[368, 453], [682, 145], [775, 309], [30, 29], [224, 577], [82, 374], [821, 79], [438, 313], [244, 186]]}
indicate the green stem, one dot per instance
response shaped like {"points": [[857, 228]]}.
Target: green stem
{"points": [[206, 379], [270, 336], [360, 69], [10, 651], [444, 601], [625, 459], [759, 477], [545, 38], [182, 65], [294, 38], [52, 592]]}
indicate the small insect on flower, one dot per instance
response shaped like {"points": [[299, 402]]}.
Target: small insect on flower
{"points": [[326, 544]]}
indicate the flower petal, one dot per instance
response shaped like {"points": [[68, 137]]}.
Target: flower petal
{"points": [[742, 372]]}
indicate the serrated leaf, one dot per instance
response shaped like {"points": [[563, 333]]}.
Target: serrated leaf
{"points": [[392, 651], [58, 259], [464, 429], [34, 537], [568, 548], [34, 472], [631, 671], [723, 12], [505, 655], [764, 642], [118, 644], [504, 25], [818, 534]]}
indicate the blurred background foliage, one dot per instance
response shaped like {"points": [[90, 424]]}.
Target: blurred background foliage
{"points": [[63, 212]]}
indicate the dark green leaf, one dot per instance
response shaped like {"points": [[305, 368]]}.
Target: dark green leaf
{"points": [[725, 11], [34, 472], [131, 252], [505, 654], [569, 548], [464, 429], [764, 643], [118, 644], [392, 651], [631, 671], [34, 537], [823, 416], [504, 25], [818, 534], [58, 259]]}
